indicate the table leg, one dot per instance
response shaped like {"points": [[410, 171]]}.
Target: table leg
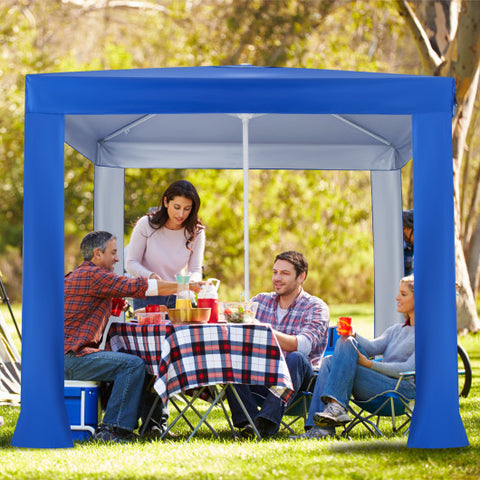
{"points": [[227, 417], [179, 410], [219, 395], [217, 399], [199, 415], [181, 414], [250, 421], [149, 416]]}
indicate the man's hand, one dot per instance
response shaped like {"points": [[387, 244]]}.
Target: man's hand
{"points": [[125, 304], [352, 333]]}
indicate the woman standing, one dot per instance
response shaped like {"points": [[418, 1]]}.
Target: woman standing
{"points": [[349, 371], [168, 241]]}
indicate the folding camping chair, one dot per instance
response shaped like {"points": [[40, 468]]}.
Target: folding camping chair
{"points": [[393, 404], [390, 403], [300, 404], [298, 408]]}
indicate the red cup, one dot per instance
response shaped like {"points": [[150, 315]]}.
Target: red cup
{"points": [[209, 303], [152, 308], [117, 306], [344, 325]]}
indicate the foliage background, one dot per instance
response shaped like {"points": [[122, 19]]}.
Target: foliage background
{"points": [[324, 214]]}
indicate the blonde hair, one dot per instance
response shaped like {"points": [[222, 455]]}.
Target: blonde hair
{"points": [[408, 280]]}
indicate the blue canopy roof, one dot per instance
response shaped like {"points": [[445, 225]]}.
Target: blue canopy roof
{"points": [[236, 89]]}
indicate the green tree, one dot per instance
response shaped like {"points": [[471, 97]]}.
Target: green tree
{"points": [[324, 214], [447, 34]]}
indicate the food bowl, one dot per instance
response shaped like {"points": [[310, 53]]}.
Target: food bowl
{"points": [[237, 312], [151, 317], [189, 315]]}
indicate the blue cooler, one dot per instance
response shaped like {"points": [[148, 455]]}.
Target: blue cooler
{"points": [[82, 403]]}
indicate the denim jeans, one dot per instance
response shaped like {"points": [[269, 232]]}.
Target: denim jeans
{"points": [[272, 407], [168, 300], [130, 398], [340, 376]]}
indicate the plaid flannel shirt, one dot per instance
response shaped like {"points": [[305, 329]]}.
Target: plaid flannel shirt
{"points": [[307, 315], [89, 290]]}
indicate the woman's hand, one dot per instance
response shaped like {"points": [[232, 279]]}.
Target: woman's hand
{"points": [[352, 333], [364, 361], [196, 286]]}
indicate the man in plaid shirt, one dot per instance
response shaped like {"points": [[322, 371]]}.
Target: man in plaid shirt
{"points": [[89, 290], [300, 324]]}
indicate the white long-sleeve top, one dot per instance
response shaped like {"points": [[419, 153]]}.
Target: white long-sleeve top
{"points": [[164, 252]]}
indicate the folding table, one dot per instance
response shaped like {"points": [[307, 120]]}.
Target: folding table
{"points": [[206, 358]]}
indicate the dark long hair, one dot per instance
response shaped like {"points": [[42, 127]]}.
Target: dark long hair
{"points": [[192, 224]]}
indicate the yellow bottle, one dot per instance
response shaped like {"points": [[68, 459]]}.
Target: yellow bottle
{"points": [[183, 291], [183, 303]]}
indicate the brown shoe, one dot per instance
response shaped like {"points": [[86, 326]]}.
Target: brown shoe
{"points": [[155, 433]]}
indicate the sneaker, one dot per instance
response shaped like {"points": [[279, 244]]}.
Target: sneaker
{"points": [[107, 433], [314, 432], [334, 415]]}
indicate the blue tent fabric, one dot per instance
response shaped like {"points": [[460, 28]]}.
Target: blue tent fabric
{"points": [[42, 405], [67, 106], [236, 89], [435, 309]]}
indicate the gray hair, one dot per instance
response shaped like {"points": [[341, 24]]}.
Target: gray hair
{"points": [[408, 281], [93, 240]]}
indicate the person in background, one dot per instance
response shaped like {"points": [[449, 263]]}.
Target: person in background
{"points": [[351, 371], [300, 324], [89, 290], [407, 219], [168, 241]]}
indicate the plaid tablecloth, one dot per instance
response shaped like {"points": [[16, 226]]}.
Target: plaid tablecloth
{"points": [[184, 357]]}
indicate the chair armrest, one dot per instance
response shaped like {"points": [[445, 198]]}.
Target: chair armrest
{"points": [[404, 375]]}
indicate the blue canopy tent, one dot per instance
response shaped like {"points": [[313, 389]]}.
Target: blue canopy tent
{"points": [[244, 117]]}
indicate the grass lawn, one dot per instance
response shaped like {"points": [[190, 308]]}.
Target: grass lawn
{"points": [[208, 458]]}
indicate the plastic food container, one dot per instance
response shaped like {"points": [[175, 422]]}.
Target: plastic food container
{"points": [[151, 317], [237, 312], [188, 315]]}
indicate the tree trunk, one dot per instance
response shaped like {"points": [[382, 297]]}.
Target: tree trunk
{"points": [[473, 256], [467, 318], [467, 81], [449, 46], [468, 210]]}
